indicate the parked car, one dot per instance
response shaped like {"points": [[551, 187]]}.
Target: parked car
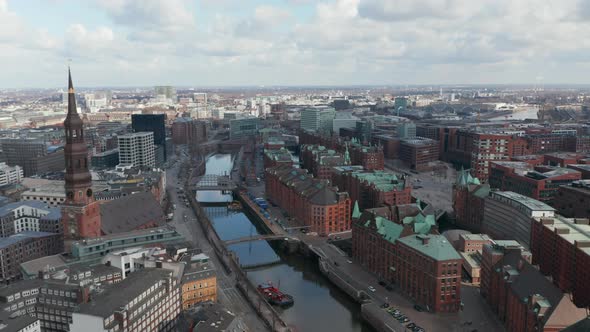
{"points": [[411, 325], [418, 308], [382, 283], [389, 288], [372, 289]]}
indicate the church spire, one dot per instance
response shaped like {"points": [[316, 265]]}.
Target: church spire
{"points": [[71, 96]]}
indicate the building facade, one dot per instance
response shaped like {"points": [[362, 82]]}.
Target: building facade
{"points": [[318, 119], [315, 203], [573, 200], [540, 182], [418, 153], [507, 215], [154, 123], [243, 127], [23, 247], [561, 248], [425, 267], [107, 159], [34, 156], [521, 297], [137, 149], [150, 302], [468, 201]]}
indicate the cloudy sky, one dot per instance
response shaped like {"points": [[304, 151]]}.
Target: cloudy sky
{"points": [[293, 42]]}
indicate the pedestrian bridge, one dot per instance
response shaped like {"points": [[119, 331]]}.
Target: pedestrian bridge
{"points": [[266, 237], [214, 182]]}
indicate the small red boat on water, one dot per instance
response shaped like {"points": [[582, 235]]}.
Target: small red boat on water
{"points": [[274, 296]]}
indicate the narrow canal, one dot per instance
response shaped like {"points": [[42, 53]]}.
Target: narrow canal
{"points": [[319, 305]]}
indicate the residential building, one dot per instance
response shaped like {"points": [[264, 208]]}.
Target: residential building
{"points": [[25, 246], [80, 211], [573, 200], [521, 297], [137, 149], [468, 201], [561, 248], [10, 174], [318, 119], [154, 123], [199, 282], [507, 215], [371, 189], [313, 202], [540, 182], [150, 302], [243, 127], [29, 216], [418, 153]]}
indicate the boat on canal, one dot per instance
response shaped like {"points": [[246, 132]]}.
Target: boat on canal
{"points": [[274, 296]]}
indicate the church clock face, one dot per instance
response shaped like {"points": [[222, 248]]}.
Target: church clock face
{"points": [[89, 192]]}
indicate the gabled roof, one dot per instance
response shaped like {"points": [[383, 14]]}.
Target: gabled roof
{"points": [[130, 213]]}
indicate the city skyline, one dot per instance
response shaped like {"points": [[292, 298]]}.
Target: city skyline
{"points": [[293, 42]]}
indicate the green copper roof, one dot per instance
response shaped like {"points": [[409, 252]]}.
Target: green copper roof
{"points": [[388, 229], [464, 178], [437, 247], [383, 181], [421, 223], [356, 212]]}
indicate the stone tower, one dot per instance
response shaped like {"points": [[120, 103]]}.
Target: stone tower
{"points": [[80, 211]]}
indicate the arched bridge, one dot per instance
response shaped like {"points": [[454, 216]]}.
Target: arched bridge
{"points": [[260, 238]]}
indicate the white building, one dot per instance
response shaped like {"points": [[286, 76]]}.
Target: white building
{"points": [[10, 174], [137, 149], [146, 301]]}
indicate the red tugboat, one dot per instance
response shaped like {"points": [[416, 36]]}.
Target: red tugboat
{"points": [[274, 296]]}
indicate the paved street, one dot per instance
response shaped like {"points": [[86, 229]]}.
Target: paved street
{"points": [[185, 222], [435, 188]]}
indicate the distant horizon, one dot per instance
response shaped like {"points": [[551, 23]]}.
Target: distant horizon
{"points": [[302, 86]]}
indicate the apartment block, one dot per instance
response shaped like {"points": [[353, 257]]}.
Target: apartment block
{"points": [[137, 149]]}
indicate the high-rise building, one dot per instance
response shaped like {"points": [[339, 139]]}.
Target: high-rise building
{"points": [[80, 211], [137, 149], [317, 119], [154, 123]]}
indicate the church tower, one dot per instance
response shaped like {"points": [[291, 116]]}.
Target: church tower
{"points": [[80, 212]]}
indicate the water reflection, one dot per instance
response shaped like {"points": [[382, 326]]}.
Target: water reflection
{"points": [[319, 305]]}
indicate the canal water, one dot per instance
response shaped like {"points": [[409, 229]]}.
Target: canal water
{"points": [[319, 305]]}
